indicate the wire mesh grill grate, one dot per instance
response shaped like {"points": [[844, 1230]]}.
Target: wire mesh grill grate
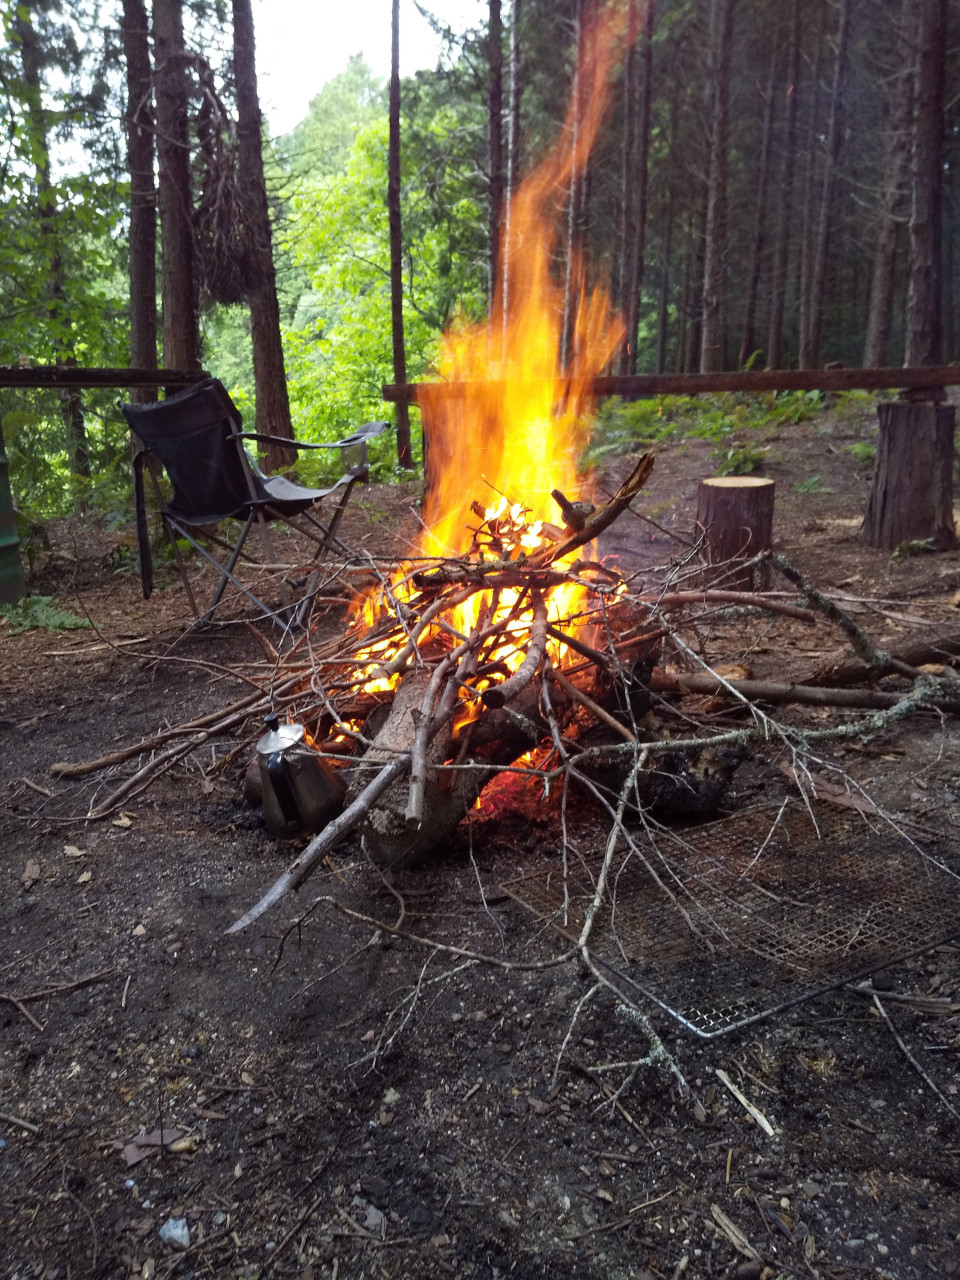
{"points": [[728, 923]]}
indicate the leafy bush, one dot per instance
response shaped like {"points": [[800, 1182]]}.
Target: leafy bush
{"points": [[865, 454], [34, 612]]}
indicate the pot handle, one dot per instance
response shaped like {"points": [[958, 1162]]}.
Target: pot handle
{"points": [[277, 773]]}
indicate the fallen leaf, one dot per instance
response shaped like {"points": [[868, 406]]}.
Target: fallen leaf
{"points": [[31, 874], [84, 877], [820, 788], [139, 931], [368, 1036], [123, 820], [71, 851], [538, 1106], [604, 1194]]}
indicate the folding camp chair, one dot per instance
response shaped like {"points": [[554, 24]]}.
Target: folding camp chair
{"points": [[197, 436]]}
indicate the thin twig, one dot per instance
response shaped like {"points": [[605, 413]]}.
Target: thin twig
{"points": [[912, 1060]]}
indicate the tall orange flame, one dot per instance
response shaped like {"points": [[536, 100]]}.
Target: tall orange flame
{"points": [[514, 426], [519, 426]]}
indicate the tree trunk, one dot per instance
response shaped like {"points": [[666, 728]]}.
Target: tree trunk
{"points": [[572, 278], [715, 247], [664, 294], [495, 138], [181, 332], [924, 322], [748, 340], [912, 495], [513, 154], [404, 450], [627, 163], [694, 288], [880, 311], [635, 189], [778, 278], [269, 372], [735, 514], [803, 270], [810, 340], [143, 194], [31, 61]]}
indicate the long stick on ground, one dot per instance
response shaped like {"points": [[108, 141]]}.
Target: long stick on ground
{"points": [[318, 847], [771, 691]]}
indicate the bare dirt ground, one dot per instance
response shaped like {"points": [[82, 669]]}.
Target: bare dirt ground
{"points": [[356, 1104]]}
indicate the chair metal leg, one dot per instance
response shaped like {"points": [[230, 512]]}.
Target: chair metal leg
{"points": [[226, 574], [168, 528]]}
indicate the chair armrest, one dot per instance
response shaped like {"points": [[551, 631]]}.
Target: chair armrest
{"points": [[369, 431]]}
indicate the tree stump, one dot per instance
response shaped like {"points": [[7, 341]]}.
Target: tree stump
{"points": [[912, 495], [736, 515]]}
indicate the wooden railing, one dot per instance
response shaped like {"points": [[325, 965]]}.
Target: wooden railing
{"points": [[693, 384], [71, 377]]}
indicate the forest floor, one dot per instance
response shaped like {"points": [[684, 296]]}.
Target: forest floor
{"points": [[354, 1104]]}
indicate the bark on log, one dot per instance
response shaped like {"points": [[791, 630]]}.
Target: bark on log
{"points": [[940, 650], [481, 749], [736, 515], [912, 495]]}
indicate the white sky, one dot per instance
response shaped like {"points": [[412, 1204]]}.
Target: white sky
{"points": [[301, 44]]}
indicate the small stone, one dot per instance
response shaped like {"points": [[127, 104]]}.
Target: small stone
{"points": [[175, 1232], [374, 1219], [139, 931], [751, 1270]]}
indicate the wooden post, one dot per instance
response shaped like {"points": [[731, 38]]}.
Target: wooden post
{"points": [[735, 514], [912, 495]]}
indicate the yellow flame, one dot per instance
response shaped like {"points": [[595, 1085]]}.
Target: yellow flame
{"points": [[514, 428]]}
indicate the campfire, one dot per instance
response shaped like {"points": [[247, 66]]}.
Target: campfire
{"points": [[504, 635]]}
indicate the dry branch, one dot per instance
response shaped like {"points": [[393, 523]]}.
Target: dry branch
{"points": [[772, 691], [595, 524], [320, 845], [943, 649]]}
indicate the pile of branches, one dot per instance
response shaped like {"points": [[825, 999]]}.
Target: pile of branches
{"points": [[416, 767]]}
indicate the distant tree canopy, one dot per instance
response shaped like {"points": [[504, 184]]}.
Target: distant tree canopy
{"points": [[755, 196]]}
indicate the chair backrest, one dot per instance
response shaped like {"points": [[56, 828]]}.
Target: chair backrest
{"points": [[193, 433]]}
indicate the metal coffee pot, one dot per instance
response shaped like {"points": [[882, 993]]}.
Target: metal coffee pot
{"points": [[301, 793]]}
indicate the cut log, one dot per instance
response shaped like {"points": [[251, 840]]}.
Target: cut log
{"points": [[912, 495], [735, 514]]}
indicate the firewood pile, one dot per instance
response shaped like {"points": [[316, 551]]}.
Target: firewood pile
{"points": [[418, 711]]}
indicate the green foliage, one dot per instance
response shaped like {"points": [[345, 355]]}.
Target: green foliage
{"points": [[34, 612], [812, 484], [621, 426], [913, 547], [41, 476], [739, 460], [864, 453]]}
